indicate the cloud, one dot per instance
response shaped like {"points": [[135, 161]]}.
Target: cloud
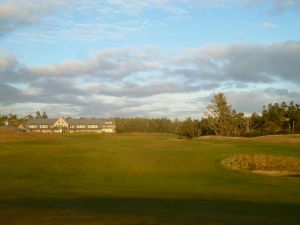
{"points": [[129, 80], [11, 70], [183, 6], [282, 92], [283, 5], [58, 31], [244, 62], [58, 20], [208, 65], [10, 94], [249, 101], [143, 90], [268, 25], [111, 64], [19, 13], [7, 62]]}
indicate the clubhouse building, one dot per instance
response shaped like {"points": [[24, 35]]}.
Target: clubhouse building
{"points": [[69, 125]]}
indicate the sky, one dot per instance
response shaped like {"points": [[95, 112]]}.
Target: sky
{"points": [[147, 58]]}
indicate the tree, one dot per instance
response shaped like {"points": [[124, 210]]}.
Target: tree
{"points": [[190, 128], [292, 116], [205, 129], [256, 123], [241, 125], [44, 116], [37, 115], [276, 118], [12, 116], [220, 116]]}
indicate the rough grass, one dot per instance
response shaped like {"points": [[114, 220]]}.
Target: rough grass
{"points": [[11, 135], [280, 139], [264, 164], [140, 179], [246, 162]]}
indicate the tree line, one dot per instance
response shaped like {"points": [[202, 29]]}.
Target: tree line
{"points": [[275, 118], [186, 128], [220, 119], [15, 121]]}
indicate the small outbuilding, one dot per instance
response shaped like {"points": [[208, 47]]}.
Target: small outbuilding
{"points": [[8, 126]]}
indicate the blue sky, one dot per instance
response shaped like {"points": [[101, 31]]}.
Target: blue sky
{"points": [[149, 58]]}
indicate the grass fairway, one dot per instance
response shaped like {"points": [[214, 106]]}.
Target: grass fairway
{"points": [[141, 179]]}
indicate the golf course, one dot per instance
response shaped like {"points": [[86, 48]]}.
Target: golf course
{"points": [[70, 179]]}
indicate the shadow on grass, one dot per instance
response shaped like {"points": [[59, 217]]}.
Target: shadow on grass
{"points": [[145, 211]]}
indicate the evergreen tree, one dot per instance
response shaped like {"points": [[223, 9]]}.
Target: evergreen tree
{"points": [[44, 116], [37, 115], [220, 116]]}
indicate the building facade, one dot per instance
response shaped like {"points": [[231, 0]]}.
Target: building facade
{"points": [[68, 125]]}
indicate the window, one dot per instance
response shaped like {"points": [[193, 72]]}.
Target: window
{"points": [[72, 126], [80, 126], [32, 126], [92, 126], [108, 122], [108, 130], [43, 126]]}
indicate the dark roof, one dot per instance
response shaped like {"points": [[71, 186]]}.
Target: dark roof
{"points": [[89, 121], [40, 121]]}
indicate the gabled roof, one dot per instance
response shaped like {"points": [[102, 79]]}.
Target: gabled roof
{"points": [[28, 117], [22, 126]]}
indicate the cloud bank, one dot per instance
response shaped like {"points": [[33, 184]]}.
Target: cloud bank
{"points": [[15, 14], [130, 81]]}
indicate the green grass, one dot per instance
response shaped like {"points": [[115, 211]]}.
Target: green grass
{"points": [[141, 179]]}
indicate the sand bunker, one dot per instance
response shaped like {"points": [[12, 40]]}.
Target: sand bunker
{"points": [[264, 164]]}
